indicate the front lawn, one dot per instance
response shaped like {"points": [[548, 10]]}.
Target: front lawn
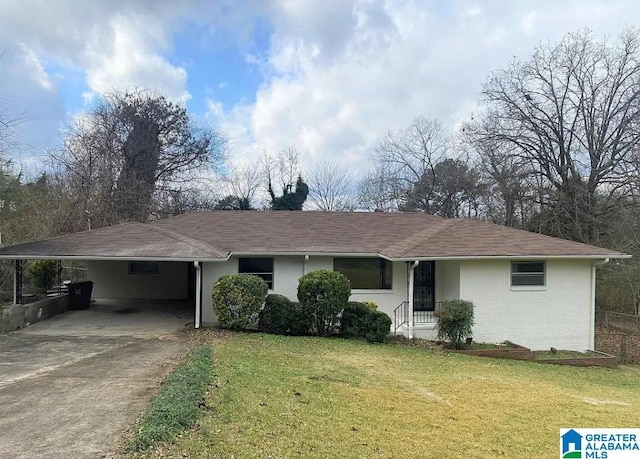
{"points": [[312, 397]]}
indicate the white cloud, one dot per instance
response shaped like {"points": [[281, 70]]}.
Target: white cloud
{"points": [[116, 44], [337, 75], [35, 69], [338, 79], [128, 61]]}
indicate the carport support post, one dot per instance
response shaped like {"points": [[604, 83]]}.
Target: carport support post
{"points": [[17, 282], [197, 321]]}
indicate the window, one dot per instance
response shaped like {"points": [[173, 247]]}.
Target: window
{"points": [[261, 267], [366, 273], [527, 274], [143, 267]]}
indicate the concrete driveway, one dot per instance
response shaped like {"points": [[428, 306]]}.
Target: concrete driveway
{"points": [[70, 386]]}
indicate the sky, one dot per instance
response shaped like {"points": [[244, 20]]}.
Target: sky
{"points": [[328, 77]]}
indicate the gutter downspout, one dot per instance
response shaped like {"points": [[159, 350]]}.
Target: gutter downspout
{"points": [[304, 264], [412, 267], [198, 319], [592, 318]]}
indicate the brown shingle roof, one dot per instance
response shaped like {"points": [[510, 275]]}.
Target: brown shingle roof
{"points": [[215, 235], [129, 240]]}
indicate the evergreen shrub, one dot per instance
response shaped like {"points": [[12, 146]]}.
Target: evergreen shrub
{"points": [[237, 299], [282, 316], [455, 322], [324, 295]]}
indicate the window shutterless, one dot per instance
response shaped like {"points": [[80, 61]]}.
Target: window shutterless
{"points": [[527, 273], [366, 273], [261, 267]]}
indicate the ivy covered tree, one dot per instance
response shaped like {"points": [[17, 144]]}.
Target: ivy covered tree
{"points": [[292, 198], [285, 170], [123, 156]]}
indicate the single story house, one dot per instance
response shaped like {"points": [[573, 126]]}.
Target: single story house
{"points": [[535, 290]]}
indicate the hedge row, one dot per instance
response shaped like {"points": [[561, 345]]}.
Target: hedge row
{"points": [[323, 308]]}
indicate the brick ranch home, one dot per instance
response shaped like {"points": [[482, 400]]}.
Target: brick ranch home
{"points": [[535, 290]]}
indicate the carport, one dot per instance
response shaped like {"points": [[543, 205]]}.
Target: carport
{"points": [[127, 263]]}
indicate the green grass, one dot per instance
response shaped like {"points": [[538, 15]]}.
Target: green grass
{"points": [[290, 397], [177, 406]]}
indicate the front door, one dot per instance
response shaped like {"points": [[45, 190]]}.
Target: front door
{"points": [[424, 286]]}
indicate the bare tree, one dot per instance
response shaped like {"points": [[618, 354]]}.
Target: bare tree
{"points": [[242, 184], [572, 114], [507, 180], [331, 187], [378, 190], [409, 156], [9, 122], [419, 167], [131, 148]]}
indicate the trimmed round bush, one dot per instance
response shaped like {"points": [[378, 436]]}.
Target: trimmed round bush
{"points": [[237, 299], [359, 320], [378, 326], [352, 322], [455, 322], [282, 316], [324, 294]]}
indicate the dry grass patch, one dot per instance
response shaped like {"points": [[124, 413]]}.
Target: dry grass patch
{"points": [[312, 397]]}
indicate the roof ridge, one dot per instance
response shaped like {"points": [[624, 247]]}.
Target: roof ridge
{"points": [[201, 245], [446, 225], [421, 236]]}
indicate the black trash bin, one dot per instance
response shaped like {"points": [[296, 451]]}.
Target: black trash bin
{"points": [[80, 295]]}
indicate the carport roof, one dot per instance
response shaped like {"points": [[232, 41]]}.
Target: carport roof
{"points": [[211, 236], [129, 241]]}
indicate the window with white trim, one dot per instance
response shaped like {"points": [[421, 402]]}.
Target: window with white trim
{"points": [[528, 273], [366, 273], [261, 267]]}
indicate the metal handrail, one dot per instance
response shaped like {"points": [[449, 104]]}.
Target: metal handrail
{"points": [[400, 315]]}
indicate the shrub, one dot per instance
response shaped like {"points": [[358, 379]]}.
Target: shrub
{"points": [[359, 320], [377, 327], [324, 294], [283, 317], [352, 321], [455, 321], [237, 299], [43, 273]]}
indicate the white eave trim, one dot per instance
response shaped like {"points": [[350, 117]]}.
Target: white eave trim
{"points": [[510, 257], [305, 253], [312, 254], [109, 258]]}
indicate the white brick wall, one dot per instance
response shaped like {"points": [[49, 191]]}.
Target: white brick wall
{"points": [[111, 279], [557, 315]]}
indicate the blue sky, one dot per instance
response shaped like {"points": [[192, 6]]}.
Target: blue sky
{"points": [[326, 77]]}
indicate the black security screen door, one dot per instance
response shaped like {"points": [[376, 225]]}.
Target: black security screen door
{"points": [[424, 287]]}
